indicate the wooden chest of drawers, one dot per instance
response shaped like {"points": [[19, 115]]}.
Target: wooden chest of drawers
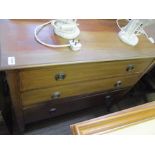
{"points": [[45, 82], [41, 94]]}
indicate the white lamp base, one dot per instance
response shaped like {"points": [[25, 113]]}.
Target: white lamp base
{"points": [[66, 29], [128, 39], [67, 35]]}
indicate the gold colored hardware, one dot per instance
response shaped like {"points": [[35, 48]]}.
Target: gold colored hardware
{"points": [[56, 95], [52, 109], [130, 67], [118, 84], [60, 76]]}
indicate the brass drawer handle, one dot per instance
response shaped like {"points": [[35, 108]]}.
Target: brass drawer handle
{"points": [[52, 110], [56, 95], [108, 102], [60, 76], [130, 67], [118, 84], [108, 97]]}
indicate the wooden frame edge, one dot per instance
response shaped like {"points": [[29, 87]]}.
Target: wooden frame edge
{"points": [[115, 120]]}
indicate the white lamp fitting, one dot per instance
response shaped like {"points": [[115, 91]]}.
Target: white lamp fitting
{"points": [[129, 33], [128, 39]]}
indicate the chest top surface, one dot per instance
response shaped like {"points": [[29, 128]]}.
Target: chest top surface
{"points": [[98, 37]]}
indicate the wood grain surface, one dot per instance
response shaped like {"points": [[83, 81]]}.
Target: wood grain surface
{"points": [[98, 66], [45, 77], [99, 40], [61, 106], [42, 95], [17, 112]]}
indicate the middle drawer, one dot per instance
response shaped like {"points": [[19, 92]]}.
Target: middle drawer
{"points": [[47, 94]]}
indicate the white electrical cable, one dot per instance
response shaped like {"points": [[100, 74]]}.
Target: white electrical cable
{"points": [[38, 29], [118, 24]]}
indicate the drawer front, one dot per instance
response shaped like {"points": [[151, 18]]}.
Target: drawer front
{"points": [[47, 94], [67, 74], [50, 109]]}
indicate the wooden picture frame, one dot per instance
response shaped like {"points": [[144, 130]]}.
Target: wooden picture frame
{"points": [[115, 121]]}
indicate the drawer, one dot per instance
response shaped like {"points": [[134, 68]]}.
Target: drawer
{"points": [[50, 109], [47, 94], [67, 74]]}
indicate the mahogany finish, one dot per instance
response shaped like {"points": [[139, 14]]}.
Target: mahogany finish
{"points": [[98, 37], [62, 106], [53, 79], [46, 76], [41, 95]]}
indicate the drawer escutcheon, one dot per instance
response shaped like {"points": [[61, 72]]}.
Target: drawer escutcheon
{"points": [[130, 67], [52, 110], [60, 76], [56, 95], [118, 84]]}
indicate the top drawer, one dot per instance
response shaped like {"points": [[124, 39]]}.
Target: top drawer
{"points": [[65, 74]]}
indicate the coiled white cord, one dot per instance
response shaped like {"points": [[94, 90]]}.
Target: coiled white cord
{"points": [[118, 24], [38, 29]]}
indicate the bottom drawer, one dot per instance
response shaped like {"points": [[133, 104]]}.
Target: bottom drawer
{"points": [[62, 106]]}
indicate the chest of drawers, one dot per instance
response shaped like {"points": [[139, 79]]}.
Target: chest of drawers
{"points": [[46, 83], [51, 91]]}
